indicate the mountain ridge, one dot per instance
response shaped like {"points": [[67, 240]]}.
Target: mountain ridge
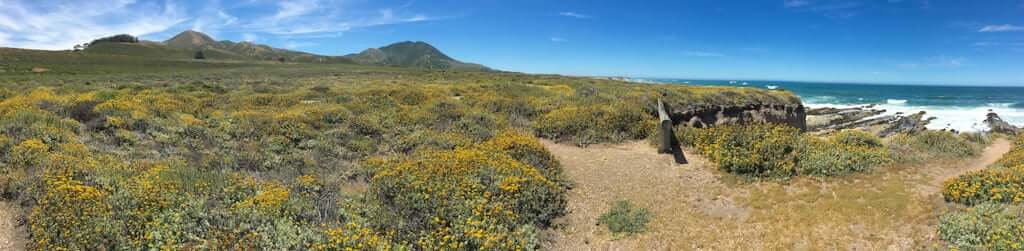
{"points": [[189, 43]]}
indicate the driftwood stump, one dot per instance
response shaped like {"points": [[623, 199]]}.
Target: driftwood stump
{"points": [[669, 143]]}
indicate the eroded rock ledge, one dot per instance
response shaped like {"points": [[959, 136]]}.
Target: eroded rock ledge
{"points": [[713, 115]]}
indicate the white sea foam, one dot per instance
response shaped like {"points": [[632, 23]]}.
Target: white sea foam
{"points": [[772, 87], [896, 101], [966, 119]]}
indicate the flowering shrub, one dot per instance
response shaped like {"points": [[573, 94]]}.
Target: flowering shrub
{"points": [[286, 159], [528, 150], [988, 224], [842, 153], [763, 150], [984, 227], [771, 150], [467, 199], [591, 124], [1001, 183]]}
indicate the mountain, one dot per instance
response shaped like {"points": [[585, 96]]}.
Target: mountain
{"points": [[411, 54], [186, 44], [189, 40]]}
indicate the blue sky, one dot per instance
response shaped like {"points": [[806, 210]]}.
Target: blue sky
{"points": [[894, 41]]}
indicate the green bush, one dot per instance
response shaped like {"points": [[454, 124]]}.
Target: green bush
{"points": [[625, 219], [928, 145], [772, 150], [842, 153], [984, 227], [591, 124], [760, 150]]}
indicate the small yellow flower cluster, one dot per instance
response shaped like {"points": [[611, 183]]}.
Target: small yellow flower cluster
{"points": [[1004, 183], [28, 153], [269, 198], [353, 236]]}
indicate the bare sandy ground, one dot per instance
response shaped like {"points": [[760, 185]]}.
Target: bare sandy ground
{"points": [[697, 207], [12, 236]]}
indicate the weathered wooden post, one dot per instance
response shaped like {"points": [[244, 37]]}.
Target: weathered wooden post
{"points": [[669, 143]]}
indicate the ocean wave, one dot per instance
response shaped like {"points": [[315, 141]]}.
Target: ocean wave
{"points": [[772, 87], [960, 118], [1018, 105], [896, 101], [815, 100]]}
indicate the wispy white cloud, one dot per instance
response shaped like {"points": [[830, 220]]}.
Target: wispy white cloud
{"points": [[61, 25], [294, 8], [573, 14], [703, 54], [934, 62], [311, 17], [249, 37], [1001, 28], [986, 44], [828, 8], [795, 3], [559, 40], [296, 45]]}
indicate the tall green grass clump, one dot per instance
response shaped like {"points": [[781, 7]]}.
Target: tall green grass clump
{"points": [[930, 145]]}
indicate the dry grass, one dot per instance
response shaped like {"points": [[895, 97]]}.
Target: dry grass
{"points": [[696, 206]]}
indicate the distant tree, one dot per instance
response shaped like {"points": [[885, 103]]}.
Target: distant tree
{"points": [[199, 55], [280, 59], [122, 38]]}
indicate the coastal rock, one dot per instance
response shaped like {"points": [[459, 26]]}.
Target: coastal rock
{"points": [[907, 124], [998, 125], [828, 119], [836, 119]]}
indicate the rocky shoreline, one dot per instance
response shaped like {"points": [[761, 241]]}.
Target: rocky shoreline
{"points": [[825, 120]]}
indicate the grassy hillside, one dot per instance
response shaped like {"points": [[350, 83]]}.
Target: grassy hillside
{"points": [[125, 152]]}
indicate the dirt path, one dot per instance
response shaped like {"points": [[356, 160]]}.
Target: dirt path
{"points": [[990, 155], [698, 207], [12, 236]]}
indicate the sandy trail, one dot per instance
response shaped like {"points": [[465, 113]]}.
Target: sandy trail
{"points": [[12, 236], [990, 155], [697, 207]]}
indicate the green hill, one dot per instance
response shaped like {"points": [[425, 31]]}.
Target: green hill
{"points": [[412, 54]]}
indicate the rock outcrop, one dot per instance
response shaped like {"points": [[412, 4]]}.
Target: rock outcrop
{"points": [[712, 115], [825, 120], [835, 118], [998, 125]]}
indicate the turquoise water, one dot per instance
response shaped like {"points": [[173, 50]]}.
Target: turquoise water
{"points": [[955, 107]]}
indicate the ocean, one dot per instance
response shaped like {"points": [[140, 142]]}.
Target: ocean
{"points": [[955, 107]]}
